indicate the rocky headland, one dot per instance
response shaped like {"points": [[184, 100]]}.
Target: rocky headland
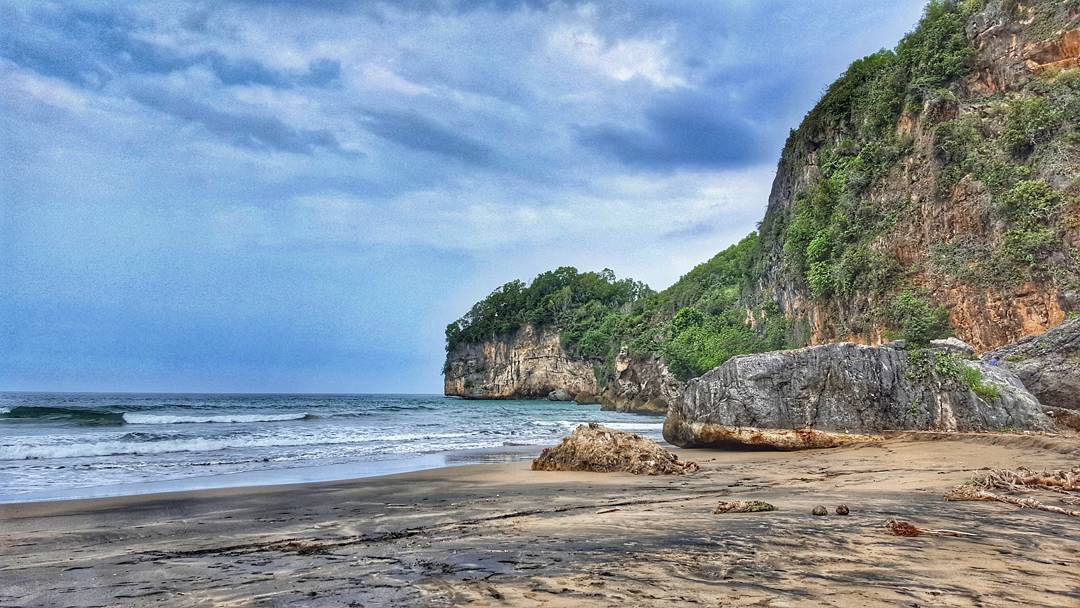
{"points": [[933, 191]]}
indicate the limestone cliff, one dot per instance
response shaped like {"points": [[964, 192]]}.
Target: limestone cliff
{"points": [[527, 364], [951, 164], [533, 364], [641, 385]]}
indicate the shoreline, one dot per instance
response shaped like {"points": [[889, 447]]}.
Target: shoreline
{"points": [[501, 534], [295, 476]]}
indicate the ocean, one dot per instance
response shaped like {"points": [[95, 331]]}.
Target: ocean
{"points": [[80, 445]]}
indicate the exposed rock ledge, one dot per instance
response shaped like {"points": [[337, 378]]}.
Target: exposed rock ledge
{"points": [[532, 364], [1047, 364], [528, 364], [846, 388]]}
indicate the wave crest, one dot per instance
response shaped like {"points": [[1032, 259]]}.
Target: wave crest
{"points": [[131, 418]]}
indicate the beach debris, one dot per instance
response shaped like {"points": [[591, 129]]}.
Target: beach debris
{"points": [[820, 510], [1065, 483], [611, 510], [966, 492], [842, 510], [593, 447], [902, 528], [743, 506], [1022, 478], [898, 527]]}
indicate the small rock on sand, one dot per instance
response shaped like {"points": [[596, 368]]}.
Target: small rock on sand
{"points": [[842, 510], [820, 510]]}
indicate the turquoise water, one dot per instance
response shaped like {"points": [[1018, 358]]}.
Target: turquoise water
{"points": [[94, 444]]}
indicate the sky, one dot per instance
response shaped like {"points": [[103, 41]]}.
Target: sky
{"points": [[291, 196]]}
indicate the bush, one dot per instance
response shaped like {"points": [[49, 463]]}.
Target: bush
{"points": [[1030, 203], [917, 320], [1029, 245], [820, 279], [1029, 120]]}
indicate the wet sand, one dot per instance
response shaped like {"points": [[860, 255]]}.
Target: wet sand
{"points": [[502, 535]]}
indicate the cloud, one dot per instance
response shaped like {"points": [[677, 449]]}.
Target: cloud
{"points": [[620, 59], [259, 132], [681, 132], [413, 131]]}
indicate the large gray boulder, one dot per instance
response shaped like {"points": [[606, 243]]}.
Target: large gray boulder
{"points": [[1047, 364], [846, 388]]}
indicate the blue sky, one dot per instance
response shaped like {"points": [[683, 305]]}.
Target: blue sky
{"points": [[293, 196]]}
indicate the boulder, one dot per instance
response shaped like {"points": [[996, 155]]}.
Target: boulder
{"points": [[560, 395], [1047, 364], [954, 346], [836, 394], [593, 447]]}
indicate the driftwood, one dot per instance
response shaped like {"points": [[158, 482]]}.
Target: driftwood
{"points": [[973, 493], [1022, 480], [898, 527]]}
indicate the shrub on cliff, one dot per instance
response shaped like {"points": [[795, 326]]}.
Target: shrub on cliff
{"points": [[918, 320]]}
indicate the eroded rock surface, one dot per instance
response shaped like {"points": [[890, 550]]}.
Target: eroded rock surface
{"points": [[1047, 364], [643, 386], [528, 364], [594, 447], [847, 388]]}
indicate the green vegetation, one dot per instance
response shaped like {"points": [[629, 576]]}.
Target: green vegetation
{"points": [[578, 302], [949, 368], [918, 320], [697, 323]]}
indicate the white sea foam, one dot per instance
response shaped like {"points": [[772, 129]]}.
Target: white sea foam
{"points": [[131, 418], [634, 426], [194, 444], [199, 444]]}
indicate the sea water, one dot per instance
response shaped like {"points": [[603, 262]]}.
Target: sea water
{"points": [[74, 445]]}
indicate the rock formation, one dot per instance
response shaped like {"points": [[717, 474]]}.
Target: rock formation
{"points": [[1047, 364], [593, 447], [643, 386], [528, 364], [848, 388]]}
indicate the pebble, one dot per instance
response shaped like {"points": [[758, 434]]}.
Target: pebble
{"points": [[820, 510]]}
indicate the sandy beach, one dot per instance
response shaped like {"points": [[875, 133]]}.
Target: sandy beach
{"points": [[503, 535]]}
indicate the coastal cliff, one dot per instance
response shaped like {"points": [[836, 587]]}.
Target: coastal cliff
{"points": [[527, 364], [932, 191], [533, 364], [960, 187]]}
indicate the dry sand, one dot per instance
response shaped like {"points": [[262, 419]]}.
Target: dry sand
{"points": [[502, 535]]}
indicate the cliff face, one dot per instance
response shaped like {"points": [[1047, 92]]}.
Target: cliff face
{"points": [[643, 386], [528, 364], [533, 364], [960, 157]]}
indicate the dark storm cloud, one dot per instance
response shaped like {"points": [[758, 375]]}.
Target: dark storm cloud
{"points": [[90, 47], [411, 130], [685, 131], [258, 132]]}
